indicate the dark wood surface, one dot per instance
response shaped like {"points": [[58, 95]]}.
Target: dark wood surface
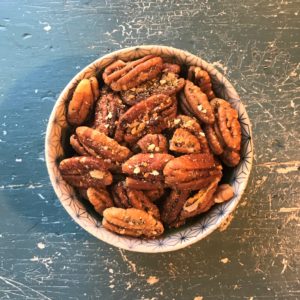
{"points": [[45, 255]]}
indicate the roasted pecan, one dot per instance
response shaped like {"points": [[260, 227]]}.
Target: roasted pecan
{"points": [[100, 199], [231, 158], [142, 184], [77, 145], [172, 206], [184, 142], [171, 68], [197, 103], [85, 172], [153, 143], [145, 166], [154, 195], [192, 125], [108, 110], [201, 202], [98, 144], [148, 116], [82, 101], [132, 222], [191, 172], [123, 76], [125, 197], [214, 138], [168, 84], [223, 193], [202, 79]]}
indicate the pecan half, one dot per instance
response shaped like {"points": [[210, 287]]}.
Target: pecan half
{"points": [[98, 144], [123, 76], [85, 172], [100, 199], [108, 110], [223, 193], [202, 79], [168, 84], [148, 167], [77, 145], [154, 195], [132, 222], [171, 68], [142, 184], [197, 103], [231, 158], [148, 116], [125, 197], [191, 124], [153, 143], [82, 101], [184, 142], [191, 172], [172, 206]]}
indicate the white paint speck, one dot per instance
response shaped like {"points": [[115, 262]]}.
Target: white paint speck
{"points": [[152, 280], [4, 132], [36, 91], [198, 298], [41, 196], [35, 258], [47, 28], [41, 245], [77, 67], [225, 260], [18, 159], [112, 286], [111, 271], [292, 104]]}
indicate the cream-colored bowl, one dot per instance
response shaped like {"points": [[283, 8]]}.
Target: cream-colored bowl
{"points": [[56, 145]]}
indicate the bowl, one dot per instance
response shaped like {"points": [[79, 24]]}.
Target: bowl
{"points": [[56, 148]]}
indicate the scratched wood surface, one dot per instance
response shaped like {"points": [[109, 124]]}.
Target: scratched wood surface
{"points": [[45, 255]]}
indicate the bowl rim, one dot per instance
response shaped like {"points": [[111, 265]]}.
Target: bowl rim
{"points": [[91, 230]]}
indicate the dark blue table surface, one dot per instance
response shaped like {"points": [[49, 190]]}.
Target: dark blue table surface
{"points": [[45, 255]]}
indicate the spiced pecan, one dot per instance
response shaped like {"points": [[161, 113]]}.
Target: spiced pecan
{"points": [[154, 195], [100, 199], [85, 172], [108, 110], [77, 145], [142, 184], [125, 197], [82, 101], [231, 158], [123, 76], [196, 102], [168, 84], [184, 142], [98, 144], [148, 116], [223, 193], [153, 143], [172, 206], [202, 79], [132, 222], [191, 172], [171, 68]]}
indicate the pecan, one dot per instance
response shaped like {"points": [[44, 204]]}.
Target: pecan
{"points": [[153, 143], [191, 172], [168, 84], [195, 101], [85, 172], [82, 101], [108, 110], [142, 184], [98, 144], [184, 142], [145, 166], [223, 193], [154, 195], [172, 206], [148, 116], [201, 202], [190, 124], [100, 199], [77, 145], [171, 68], [125, 197], [231, 158], [132, 222], [214, 138], [202, 79], [123, 76]]}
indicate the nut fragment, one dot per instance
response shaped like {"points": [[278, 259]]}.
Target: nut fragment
{"points": [[100, 199], [132, 222], [154, 195], [171, 68], [123, 76], [153, 143], [223, 193], [82, 101], [85, 172], [77, 145]]}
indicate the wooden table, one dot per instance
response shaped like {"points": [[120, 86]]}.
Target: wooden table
{"points": [[44, 254]]}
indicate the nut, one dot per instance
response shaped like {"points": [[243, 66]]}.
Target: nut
{"points": [[171, 68], [153, 143], [154, 195], [85, 172], [124, 76], [77, 145], [100, 199], [132, 222], [223, 193], [142, 184]]}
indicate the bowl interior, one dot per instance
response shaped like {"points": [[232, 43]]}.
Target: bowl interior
{"points": [[58, 148]]}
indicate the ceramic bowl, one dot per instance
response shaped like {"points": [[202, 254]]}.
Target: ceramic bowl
{"points": [[57, 148]]}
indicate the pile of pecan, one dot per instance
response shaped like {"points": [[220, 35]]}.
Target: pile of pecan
{"points": [[150, 144]]}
